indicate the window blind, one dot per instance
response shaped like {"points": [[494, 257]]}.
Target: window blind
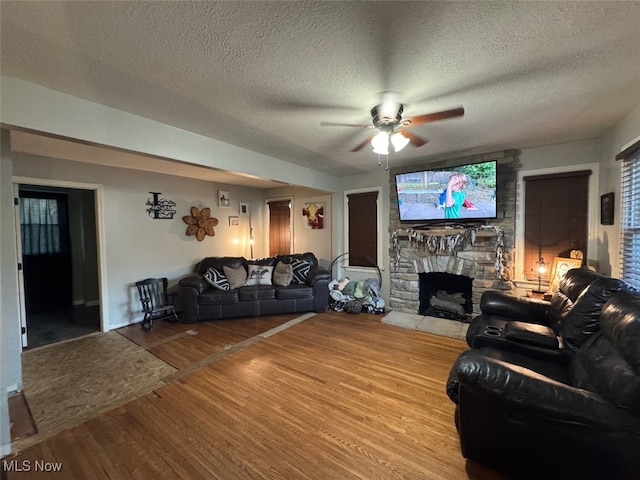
{"points": [[363, 229], [555, 219], [279, 227], [630, 219]]}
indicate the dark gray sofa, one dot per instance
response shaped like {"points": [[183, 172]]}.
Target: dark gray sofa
{"points": [[201, 301]]}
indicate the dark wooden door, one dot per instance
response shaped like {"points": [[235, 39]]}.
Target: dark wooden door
{"points": [[46, 253]]}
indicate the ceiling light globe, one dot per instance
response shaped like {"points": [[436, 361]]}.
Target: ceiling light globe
{"points": [[399, 141], [380, 143]]}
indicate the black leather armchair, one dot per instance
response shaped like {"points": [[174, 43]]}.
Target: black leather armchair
{"points": [[539, 419], [548, 331]]}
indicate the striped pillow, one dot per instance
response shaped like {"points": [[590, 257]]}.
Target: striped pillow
{"points": [[216, 279], [300, 270]]}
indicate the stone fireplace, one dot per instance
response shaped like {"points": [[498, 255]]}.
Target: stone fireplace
{"points": [[481, 252]]}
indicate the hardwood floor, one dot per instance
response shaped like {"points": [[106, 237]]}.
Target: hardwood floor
{"points": [[335, 396]]}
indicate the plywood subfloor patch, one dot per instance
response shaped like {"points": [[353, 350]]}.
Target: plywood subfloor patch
{"points": [[69, 382]]}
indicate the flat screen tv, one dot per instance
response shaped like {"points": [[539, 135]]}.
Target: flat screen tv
{"points": [[448, 195]]}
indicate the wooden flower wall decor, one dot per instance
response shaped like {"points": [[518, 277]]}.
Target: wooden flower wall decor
{"points": [[200, 223]]}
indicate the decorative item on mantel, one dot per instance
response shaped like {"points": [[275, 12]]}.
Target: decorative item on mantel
{"points": [[445, 240], [200, 223], [160, 208]]}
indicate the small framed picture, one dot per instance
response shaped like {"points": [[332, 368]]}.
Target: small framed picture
{"points": [[234, 220], [558, 270], [224, 198], [606, 209], [244, 208]]}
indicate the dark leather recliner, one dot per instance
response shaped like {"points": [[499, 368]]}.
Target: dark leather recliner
{"points": [[543, 419], [552, 332]]}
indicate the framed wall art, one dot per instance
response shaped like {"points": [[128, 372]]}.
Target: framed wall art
{"points": [[606, 209], [560, 267], [313, 214], [224, 198], [243, 208], [234, 220]]}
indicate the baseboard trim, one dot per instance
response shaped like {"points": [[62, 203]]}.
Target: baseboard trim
{"points": [[93, 303]]}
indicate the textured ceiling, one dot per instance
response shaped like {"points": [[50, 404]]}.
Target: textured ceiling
{"points": [[264, 75]]}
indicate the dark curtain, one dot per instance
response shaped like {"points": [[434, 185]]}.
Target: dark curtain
{"points": [[46, 252]]}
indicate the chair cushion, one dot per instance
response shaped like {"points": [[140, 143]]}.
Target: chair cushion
{"points": [[295, 290], [256, 292], [218, 297], [584, 318]]}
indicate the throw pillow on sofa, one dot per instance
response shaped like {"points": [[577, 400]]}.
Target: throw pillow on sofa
{"points": [[259, 275], [282, 274], [237, 276], [216, 279], [300, 270]]}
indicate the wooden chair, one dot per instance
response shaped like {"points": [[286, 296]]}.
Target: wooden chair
{"points": [[156, 302]]}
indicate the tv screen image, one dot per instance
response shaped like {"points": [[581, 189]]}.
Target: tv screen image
{"points": [[465, 192]]}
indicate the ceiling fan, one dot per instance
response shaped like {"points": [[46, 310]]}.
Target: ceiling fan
{"points": [[387, 118]]}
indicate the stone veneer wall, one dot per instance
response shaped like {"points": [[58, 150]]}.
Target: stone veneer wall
{"points": [[409, 257]]}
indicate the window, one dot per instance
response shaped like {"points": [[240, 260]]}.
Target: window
{"points": [[43, 223], [556, 218], [279, 227], [362, 218], [630, 217]]}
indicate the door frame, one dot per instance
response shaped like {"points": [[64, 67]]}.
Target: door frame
{"points": [[100, 247]]}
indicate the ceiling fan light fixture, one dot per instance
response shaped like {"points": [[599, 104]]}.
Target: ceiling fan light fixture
{"points": [[399, 141], [380, 143]]}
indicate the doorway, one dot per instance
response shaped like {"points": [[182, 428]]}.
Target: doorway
{"points": [[59, 257]]}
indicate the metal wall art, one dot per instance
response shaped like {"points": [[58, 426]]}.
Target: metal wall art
{"points": [[200, 223], [160, 208]]}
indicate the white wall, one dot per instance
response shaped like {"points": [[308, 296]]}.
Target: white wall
{"points": [[306, 240], [10, 342], [137, 246], [40, 109], [377, 179], [616, 140], [551, 159]]}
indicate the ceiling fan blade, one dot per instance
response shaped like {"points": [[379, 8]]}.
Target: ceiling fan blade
{"points": [[434, 117], [415, 140], [334, 124], [363, 144]]}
